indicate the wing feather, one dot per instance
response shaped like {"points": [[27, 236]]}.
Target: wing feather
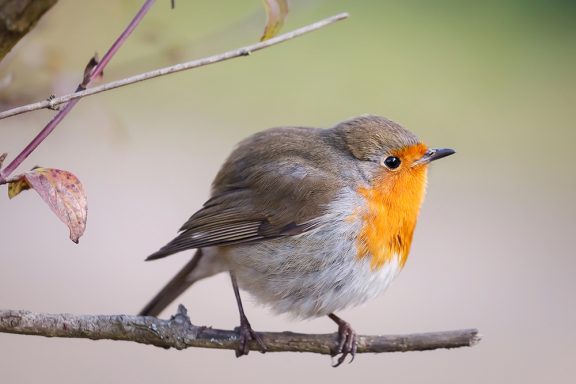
{"points": [[273, 185]]}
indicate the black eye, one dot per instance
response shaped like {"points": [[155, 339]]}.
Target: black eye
{"points": [[392, 162]]}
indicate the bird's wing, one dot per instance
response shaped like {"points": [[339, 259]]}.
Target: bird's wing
{"points": [[219, 223], [258, 199]]}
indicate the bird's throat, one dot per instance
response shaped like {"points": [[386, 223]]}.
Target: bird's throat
{"points": [[393, 204]]}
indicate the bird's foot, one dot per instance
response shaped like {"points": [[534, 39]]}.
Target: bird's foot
{"points": [[245, 331], [347, 343], [245, 335]]}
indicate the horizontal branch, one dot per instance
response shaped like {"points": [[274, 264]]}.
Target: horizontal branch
{"points": [[179, 333], [245, 51]]}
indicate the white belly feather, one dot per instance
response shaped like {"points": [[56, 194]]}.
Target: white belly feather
{"points": [[316, 273]]}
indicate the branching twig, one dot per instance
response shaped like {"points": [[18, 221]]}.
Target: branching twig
{"points": [[88, 78], [245, 51], [180, 333]]}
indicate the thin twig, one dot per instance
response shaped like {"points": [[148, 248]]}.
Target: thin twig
{"points": [[179, 333], [245, 51], [121, 39], [95, 72]]}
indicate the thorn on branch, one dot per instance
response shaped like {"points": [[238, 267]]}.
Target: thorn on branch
{"points": [[181, 316]]}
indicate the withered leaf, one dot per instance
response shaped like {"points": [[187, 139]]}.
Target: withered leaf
{"points": [[61, 190], [276, 12]]}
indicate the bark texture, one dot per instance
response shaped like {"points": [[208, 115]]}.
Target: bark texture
{"points": [[17, 17], [179, 333]]}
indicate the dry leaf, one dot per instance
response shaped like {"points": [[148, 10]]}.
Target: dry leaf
{"points": [[63, 193], [276, 11]]}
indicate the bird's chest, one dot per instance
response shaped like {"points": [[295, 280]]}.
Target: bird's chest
{"points": [[388, 218], [321, 271]]}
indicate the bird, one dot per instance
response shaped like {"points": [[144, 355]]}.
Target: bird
{"points": [[309, 221]]}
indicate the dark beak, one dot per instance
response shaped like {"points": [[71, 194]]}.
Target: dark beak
{"points": [[435, 154]]}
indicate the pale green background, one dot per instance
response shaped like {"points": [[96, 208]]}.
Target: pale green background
{"points": [[494, 248]]}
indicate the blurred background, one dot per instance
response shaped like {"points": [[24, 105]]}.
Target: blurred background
{"points": [[494, 246]]}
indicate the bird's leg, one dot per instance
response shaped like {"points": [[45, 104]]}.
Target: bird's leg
{"points": [[246, 333], [347, 343]]}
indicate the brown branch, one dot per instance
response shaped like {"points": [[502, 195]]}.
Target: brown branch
{"points": [[17, 17], [179, 333], [240, 52]]}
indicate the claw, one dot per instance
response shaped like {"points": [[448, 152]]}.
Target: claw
{"points": [[245, 335], [347, 343]]}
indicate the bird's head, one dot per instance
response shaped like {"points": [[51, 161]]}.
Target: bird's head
{"points": [[390, 147], [395, 164]]}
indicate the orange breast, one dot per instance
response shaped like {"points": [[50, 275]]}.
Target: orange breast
{"points": [[393, 204]]}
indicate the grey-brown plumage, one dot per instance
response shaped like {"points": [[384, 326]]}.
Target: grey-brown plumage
{"points": [[286, 215], [263, 190]]}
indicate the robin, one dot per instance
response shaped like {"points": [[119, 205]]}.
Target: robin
{"points": [[309, 221]]}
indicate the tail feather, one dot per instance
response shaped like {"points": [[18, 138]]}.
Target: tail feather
{"points": [[163, 252], [173, 289]]}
